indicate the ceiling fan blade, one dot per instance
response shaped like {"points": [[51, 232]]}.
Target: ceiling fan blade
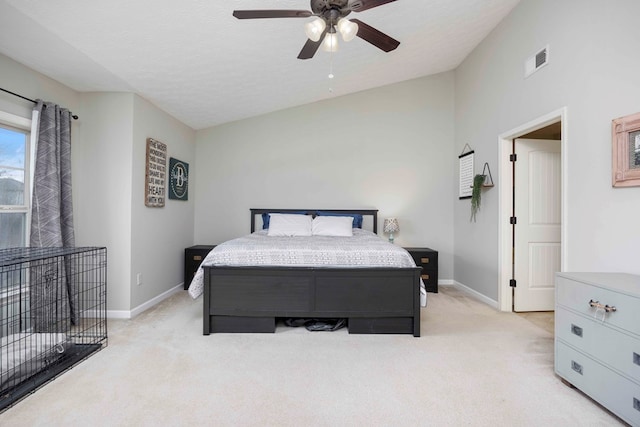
{"points": [[375, 37], [257, 14], [310, 47], [360, 5]]}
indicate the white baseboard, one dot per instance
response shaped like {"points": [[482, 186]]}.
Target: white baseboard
{"points": [[475, 294], [118, 314], [124, 314]]}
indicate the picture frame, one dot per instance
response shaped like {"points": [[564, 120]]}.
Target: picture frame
{"points": [[155, 173], [178, 179], [465, 164], [625, 138]]}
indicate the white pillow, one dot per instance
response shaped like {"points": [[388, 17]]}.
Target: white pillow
{"points": [[332, 226], [289, 225]]}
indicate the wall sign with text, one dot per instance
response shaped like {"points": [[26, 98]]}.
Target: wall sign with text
{"points": [[465, 161], [178, 179], [155, 173]]}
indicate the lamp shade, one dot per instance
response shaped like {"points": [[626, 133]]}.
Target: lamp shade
{"points": [[391, 225], [348, 29], [315, 28], [330, 43]]}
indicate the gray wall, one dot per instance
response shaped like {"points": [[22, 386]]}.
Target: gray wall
{"points": [[158, 235], [388, 148], [108, 158], [593, 71], [110, 206], [102, 169]]}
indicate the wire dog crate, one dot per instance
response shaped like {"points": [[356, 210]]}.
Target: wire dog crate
{"points": [[53, 314]]}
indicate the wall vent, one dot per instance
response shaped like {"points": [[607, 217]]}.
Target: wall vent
{"points": [[537, 61]]}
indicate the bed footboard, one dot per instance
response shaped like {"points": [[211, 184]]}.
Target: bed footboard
{"points": [[250, 299]]}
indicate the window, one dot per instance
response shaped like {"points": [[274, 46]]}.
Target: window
{"points": [[14, 181]]}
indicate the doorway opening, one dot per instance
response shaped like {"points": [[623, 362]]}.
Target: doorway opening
{"points": [[553, 128]]}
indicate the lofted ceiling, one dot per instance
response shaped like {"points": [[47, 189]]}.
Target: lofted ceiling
{"points": [[197, 62]]}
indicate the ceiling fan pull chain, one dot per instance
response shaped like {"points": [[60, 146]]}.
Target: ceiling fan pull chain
{"points": [[331, 76]]}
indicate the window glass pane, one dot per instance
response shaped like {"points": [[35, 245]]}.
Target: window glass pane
{"points": [[12, 230], [12, 167], [12, 146], [11, 187]]}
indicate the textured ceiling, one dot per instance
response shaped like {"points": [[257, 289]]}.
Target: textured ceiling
{"points": [[197, 62]]}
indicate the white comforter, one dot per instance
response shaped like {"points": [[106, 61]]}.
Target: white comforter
{"points": [[363, 249]]}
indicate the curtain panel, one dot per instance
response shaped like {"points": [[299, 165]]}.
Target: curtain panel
{"points": [[52, 289], [52, 206]]}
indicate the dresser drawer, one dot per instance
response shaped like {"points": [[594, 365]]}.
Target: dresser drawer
{"points": [[618, 394], [576, 296], [427, 260], [430, 280], [619, 351]]}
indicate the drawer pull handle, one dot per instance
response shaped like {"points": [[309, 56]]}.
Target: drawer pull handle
{"points": [[576, 330], [424, 260], [576, 367], [197, 257], [607, 308], [636, 359], [425, 276], [636, 404]]}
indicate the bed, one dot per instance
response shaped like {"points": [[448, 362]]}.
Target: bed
{"points": [[380, 299]]}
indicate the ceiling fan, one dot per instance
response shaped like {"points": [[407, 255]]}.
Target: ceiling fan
{"points": [[331, 19]]}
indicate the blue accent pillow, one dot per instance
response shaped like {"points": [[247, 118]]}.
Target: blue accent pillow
{"points": [[265, 217], [357, 218]]}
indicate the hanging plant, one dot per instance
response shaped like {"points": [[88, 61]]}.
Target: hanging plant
{"points": [[478, 182]]}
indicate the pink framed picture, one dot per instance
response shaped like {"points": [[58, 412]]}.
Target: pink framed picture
{"points": [[626, 151]]}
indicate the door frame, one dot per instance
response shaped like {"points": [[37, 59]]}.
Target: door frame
{"points": [[505, 198]]}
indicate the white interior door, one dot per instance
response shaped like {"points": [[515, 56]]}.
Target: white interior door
{"points": [[538, 185]]}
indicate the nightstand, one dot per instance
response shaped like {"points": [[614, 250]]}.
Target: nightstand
{"points": [[193, 256], [427, 259]]}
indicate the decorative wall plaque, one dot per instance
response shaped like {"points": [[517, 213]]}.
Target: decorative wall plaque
{"points": [[626, 151], [178, 179], [156, 170], [465, 160]]}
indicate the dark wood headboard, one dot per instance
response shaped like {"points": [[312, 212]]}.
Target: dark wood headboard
{"points": [[364, 212]]}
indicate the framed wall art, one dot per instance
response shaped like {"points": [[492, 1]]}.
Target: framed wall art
{"points": [[155, 173], [178, 179], [465, 160], [626, 151]]}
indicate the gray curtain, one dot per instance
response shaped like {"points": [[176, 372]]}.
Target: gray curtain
{"points": [[52, 208], [53, 293]]}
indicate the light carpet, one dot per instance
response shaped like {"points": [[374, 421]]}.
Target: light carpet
{"points": [[472, 366]]}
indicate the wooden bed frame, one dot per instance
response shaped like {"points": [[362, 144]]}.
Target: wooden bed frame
{"points": [[250, 299]]}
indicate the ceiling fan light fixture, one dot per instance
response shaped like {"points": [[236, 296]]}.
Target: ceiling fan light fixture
{"points": [[330, 43], [315, 28], [326, 19], [348, 29]]}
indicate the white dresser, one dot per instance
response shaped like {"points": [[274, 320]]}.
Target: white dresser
{"points": [[597, 338]]}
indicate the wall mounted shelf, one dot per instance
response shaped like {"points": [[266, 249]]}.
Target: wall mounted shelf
{"points": [[486, 171]]}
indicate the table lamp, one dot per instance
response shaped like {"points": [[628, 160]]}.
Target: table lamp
{"points": [[391, 226]]}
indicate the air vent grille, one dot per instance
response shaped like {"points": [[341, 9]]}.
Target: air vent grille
{"points": [[541, 58], [537, 61]]}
